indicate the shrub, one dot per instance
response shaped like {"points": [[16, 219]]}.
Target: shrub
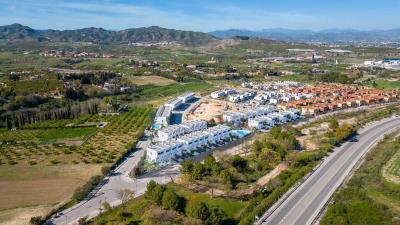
{"points": [[170, 200], [187, 166], [37, 220], [154, 192], [198, 210], [198, 171], [216, 217]]}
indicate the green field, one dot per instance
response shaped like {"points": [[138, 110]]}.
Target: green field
{"points": [[385, 84], [368, 198]]}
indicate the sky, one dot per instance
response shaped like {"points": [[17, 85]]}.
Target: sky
{"points": [[203, 15]]}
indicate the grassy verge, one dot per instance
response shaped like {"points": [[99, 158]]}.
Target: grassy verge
{"points": [[368, 198]]}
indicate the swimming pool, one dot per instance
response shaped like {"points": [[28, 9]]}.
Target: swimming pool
{"points": [[240, 133], [156, 127]]}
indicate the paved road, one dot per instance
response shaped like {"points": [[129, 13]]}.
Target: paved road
{"points": [[117, 180], [306, 202]]}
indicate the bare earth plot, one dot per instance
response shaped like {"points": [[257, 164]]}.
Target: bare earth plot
{"points": [[48, 185], [155, 80], [209, 108]]}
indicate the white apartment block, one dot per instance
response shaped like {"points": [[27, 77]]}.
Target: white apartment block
{"points": [[238, 117], [233, 117], [174, 131], [165, 152], [194, 140], [223, 93], [174, 103], [163, 114], [187, 97], [217, 133]]}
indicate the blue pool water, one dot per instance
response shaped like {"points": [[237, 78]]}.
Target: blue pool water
{"points": [[156, 127], [240, 133]]}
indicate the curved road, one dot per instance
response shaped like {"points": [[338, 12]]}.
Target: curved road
{"points": [[106, 192], [305, 203]]}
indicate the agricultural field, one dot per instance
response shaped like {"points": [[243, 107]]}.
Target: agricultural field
{"points": [[151, 80], [368, 198], [41, 164]]}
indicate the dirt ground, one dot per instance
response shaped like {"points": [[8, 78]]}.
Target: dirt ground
{"points": [[311, 135], [239, 193], [27, 191], [21, 216], [209, 108], [156, 80]]}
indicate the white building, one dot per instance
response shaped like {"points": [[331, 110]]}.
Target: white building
{"points": [[261, 122], [162, 153], [223, 93], [174, 103], [187, 97], [217, 133], [194, 140], [162, 115], [166, 152], [174, 131], [234, 117]]}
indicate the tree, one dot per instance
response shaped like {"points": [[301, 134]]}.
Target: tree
{"points": [[239, 162], [83, 221], [216, 217], [154, 192], [14, 77], [187, 166], [226, 176], [333, 123], [37, 220], [149, 189], [198, 210], [210, 164], [276, 132], [343, 132], [125, 195], [170, 200], [198, 171], [105, 206], [135, 172]]}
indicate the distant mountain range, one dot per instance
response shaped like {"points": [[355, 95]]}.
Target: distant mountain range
{"points": [[154, 34], [334, 35]]}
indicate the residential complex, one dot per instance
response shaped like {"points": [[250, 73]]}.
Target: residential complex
{"points": [[188, 144], [164, 112]]}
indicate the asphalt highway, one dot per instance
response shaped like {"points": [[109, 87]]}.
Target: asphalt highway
{"points": [[305, 203]]}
